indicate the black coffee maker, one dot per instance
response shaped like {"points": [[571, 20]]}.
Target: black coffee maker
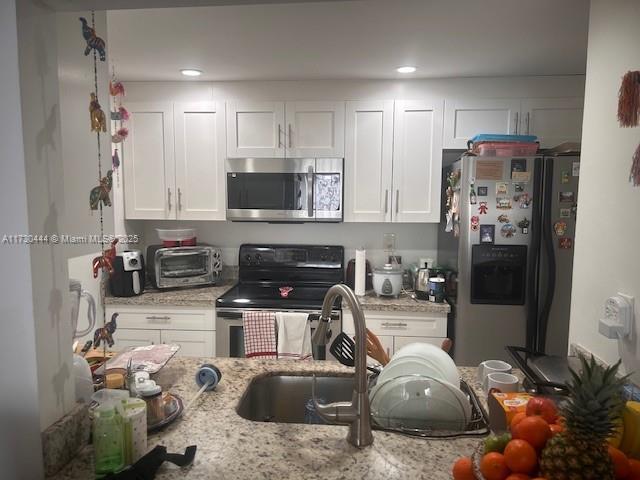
{"points": [[127, 279]]}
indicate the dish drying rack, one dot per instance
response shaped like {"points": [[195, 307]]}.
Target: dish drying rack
{"points": [[478, 426]]}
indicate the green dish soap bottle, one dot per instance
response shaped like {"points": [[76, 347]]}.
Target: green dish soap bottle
{"points": [[108, 440]]}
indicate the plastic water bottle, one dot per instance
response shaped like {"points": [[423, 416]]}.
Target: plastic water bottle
{"points": [[108, 440]]}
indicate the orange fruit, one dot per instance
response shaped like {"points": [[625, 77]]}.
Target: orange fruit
{"points": [[634, 465], [520, 456], [463, 470], [494, 467], [555, 428], [620, 462], [517, 418], [518, 476], [534, 430]]}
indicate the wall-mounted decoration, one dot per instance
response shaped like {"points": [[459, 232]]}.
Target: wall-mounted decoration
{"points": [[93, 41], [105, 261], [101, 192], [105, 334], [96, 115], [508, 230], [629, 100], [566, 197], [487, 233]]}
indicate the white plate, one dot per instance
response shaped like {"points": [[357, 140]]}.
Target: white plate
{"points": [[411, 365], [434, 354]]}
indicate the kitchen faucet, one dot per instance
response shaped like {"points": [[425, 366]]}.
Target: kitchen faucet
{"points": [[356, 413]]}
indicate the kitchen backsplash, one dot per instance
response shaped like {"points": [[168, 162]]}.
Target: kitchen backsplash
{"points": [[413, 241]]}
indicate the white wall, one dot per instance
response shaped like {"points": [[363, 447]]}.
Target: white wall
{"points": [[20, 433], [413, 240], [607, 257]]}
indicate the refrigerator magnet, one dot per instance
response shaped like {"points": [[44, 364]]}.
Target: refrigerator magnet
{"points": [[483, 208], [566, 197], [483, 191], [524, 225], [565, 213], [487, 233], [502, 218], [503, 203], [502, 188], [518, 165], [564, 177], [520, 176], [525, 200], [560, 228], [475, 223], [575, 169], [472, 195], [508, 230], [518, 187], [565, 243]]}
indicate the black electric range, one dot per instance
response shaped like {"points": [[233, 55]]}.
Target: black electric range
{"points": [[284, 277]]}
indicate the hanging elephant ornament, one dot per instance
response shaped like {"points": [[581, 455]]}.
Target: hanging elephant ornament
{"points": [[93, 41], [120, 135], [96, 115], [116, 88], [105, 261], [105, 334], [101, 192], [115, 159]]}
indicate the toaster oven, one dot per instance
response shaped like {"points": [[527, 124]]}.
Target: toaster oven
{"points": [[170, 267]]}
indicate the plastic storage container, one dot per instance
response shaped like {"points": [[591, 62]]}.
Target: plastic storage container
{"points": [[505, 149], [177, 237]]}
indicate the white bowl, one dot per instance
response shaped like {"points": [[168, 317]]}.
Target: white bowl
{"points": [[433, 354], [419, 402]]}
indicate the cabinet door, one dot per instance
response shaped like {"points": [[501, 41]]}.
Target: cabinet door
{"points": [[466, 118], [315, 129], [163, 317], [199, 154], [553, 120], [192, 343], [368, 159], [149, 168], [255, 129], [129, 337], [417, 161]]}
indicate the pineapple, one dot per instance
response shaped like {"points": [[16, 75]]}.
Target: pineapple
{"points": [[591, 413]]}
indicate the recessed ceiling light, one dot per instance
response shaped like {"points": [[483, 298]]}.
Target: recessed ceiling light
{"points": [[191, 72], [406, 69]]}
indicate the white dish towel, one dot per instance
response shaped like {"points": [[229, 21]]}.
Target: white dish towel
{"points": [[294, 336]]}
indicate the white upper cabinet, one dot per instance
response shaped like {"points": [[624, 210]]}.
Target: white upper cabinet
{"points": [[368, 161], [199, 159], [553, 120], [148, 162], [466, 118], [417, 161], [255, 129], [315, 129]]}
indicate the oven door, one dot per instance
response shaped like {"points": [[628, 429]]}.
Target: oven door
{"points": [[270, 189], [230, 335], [184, 266]]}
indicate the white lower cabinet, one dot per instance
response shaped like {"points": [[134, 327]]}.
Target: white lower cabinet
{"points": [[193, 328], [135, 337], [397, 329]]}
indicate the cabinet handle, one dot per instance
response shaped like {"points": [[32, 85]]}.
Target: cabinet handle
{"points": [[397, 201], [169, 198], [517, 119], [155, 317], [527, 121], [386, 201], [179, 199], [290, 138], [279, 136], [394, 324]]}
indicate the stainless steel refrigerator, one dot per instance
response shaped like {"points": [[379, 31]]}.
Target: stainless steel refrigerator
{"points": [[507, 229]]}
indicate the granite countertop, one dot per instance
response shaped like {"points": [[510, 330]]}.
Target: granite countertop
{"points": [[179, 297], [404, 303], [230, 447]]}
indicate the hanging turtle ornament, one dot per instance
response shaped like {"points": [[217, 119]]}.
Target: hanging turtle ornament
{"points": [[96, 115], [93, 41], [101, 192]]}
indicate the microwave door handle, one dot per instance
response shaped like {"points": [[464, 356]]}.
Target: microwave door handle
{"points": [[310, 182]]}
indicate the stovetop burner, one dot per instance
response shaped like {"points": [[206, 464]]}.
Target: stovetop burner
{"points": [[287, 277]]}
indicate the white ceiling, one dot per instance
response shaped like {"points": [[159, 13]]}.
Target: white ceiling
{"points": [[352, 39]]}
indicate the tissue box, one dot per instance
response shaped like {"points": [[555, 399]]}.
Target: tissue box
{"points": [[503, 407]]}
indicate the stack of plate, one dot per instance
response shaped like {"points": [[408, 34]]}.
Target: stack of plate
{"points": [[419, 389]]}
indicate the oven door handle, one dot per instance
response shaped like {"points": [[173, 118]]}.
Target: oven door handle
{"points": [[309, 181]]}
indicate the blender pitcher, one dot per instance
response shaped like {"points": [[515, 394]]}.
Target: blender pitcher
{"points": [[76, 292]]}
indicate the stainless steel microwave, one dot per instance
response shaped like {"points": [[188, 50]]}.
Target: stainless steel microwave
{"points": [[285, 189]]}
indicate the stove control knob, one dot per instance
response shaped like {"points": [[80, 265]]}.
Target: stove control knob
{"points": [[323, 258], [258, 258], [247, 257]]}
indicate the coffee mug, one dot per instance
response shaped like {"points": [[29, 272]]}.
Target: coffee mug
{"points": [[492, 366], [501, 382]]}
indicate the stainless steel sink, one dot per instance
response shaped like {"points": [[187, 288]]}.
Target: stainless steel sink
{"points": [[283, 398]]}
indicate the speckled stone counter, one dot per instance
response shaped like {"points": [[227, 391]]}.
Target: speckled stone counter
{"points": [[404, 303], [185, 297], [230, 447]]}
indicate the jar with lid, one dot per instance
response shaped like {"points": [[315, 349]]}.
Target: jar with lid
{"points": [[152, 395]]}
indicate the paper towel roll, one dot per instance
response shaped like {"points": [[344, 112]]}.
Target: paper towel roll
{"points": [[361, 272]]}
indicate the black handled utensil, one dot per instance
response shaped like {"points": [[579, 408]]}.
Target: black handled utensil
{"points": [[344, 349]]}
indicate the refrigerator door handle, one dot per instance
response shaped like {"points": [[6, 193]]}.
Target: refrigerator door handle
{"points": [[533, 271]]}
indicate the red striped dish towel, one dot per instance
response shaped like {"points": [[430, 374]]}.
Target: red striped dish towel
{"points": [[259, 334]]}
